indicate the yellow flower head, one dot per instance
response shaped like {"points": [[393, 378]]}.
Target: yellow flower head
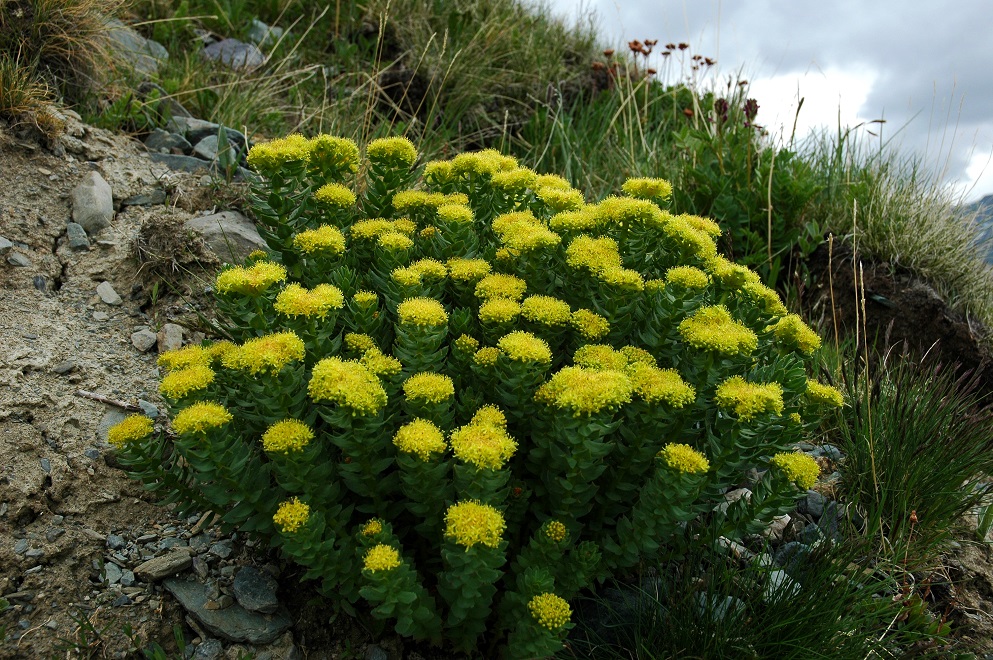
{"points": [[487, 356], [590, 325], [582, 391], [428, 232], [394, 241], [482, 163], [515, 181], [358, 342], [561, 201], [600, 356], [289, 435], [471, 523], [637, 355], [622, 278], [372, 528], [428, 388], [644, 188], [294, 300], [467, 270], [217, 350], [499, 310], [730, 274], [266, 354], [180, 383], [486, 446], [749, 399], [688, 237], [499, 285], [349, 384], [582, 219], [526, 237], [392, 152], [365, 299], [420, 438], [200, 417], [654, 385], [555, 530], [552, 181], [798, 468], [466, 344], [323, 240], [767, 299], [380, 364], [593, 254], [712, 329], [824, 395], [269, 157], [438, 172], [687, 277], [134, 427], [683, 458], [416, 201], [546, 310], [422, 312], [333, 156], [250, 281], [335, 196], [628, 212], [489, 415], [366, 230], [406, 276], [381, 558], [793, 332], [550, 611], [291, 515], [705, 225], [455, 214], [525, 347], [184, 357], [430, 269]]}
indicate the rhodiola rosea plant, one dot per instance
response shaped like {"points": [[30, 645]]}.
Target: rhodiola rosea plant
{"points": [[460, 393]]}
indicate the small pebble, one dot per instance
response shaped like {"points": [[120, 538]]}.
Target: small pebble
{"points": [[46, 466], [101, 316], [62, 368], [21, 546], [91, 453], [18, 260], [122, 601], [148, 409], [115, 541]]}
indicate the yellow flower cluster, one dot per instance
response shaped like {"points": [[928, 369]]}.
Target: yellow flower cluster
{"points": [[749, 399], [798, 468], [428, 388], [269, 157], [484, 441], [291, 515], [200, 417], [367, 230], [552, 181], [372, 528], [560, 200], [689, 237], [481, 163], [706, 225], [582, 391], [523, 346], [455, 214], [730, 274], [637, 355], [133, 427], [380, 364], [487, 356], [392, 152], [499, 285], [499, 310], [250, 281], [365, 299], [600, 356], [825, 395], [654, 385], [683, 458], [294, 300], [406, 276], [266, 354], [184, 357], [622, 278], [422, 312], [630, 212], [430, 269], [381, 558], [335, 196], [555, 530], [582, 219], [687, 277], [289, 435], [330, 155], [550, 611], [323, 240], [546, 310], [522, 237], [394, 241], [438, 172], [590, 325], [515, 181], [467, 270], [466, 344], [178, 384], [594, 254], [414, 201], [349, 384], [358, 342], [767, 298], [421, 438], [472, 523], [792, 331], [645, 188], [712, 329]]}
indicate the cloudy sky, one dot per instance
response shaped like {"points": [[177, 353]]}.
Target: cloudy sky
{"points": [[924, 66]]}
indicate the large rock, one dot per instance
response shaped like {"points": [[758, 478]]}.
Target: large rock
{"points": [[233, 623], [229, 234], [160, 567], [143, 55], [92, 203], [235, 54]]}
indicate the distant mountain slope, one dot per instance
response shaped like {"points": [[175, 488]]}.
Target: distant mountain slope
{"points": [[984, 216]]}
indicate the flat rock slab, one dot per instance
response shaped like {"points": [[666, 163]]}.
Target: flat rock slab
{"points": [[235, 54], [161, 567], [255, 590], [230, 235], [181, 163], [92, 203], [233, 623]]}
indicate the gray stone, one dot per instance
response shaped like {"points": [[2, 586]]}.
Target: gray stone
{"points": [[107, 294], [810, 534], [185, 126], [230, 235], [733, 496], [35, 553], [19, 260], [127, 578], [718, 607], [813, 504], [143, 55], [222, 549], [774, 531], [101, 316], [181, 163], [255, 590], [121, 601], [374, 652], [5, 245], [92, 453], [261, 34], [831, 452], [21, 546], [236, 139], [233, 623], [170, 337], [46, 466], [115, 541], [160, 139], [156, 196], [40, 282], [77, 236], [92, 203], [210, 649], [148, 409], [112, 572], [780, 585], [235, 54], [144, 340], [157, 568], [207, 148]]}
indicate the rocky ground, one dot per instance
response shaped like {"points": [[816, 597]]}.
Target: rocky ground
{"points": [[90, 565]]}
